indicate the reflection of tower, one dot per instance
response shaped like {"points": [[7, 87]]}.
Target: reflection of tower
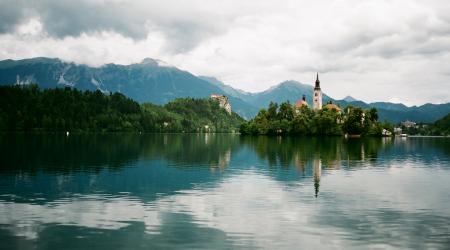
{"points": [[317, 164], [224, 159], [363, 154], [317, 95], [298, 163], [223, 162], [206, 138]]}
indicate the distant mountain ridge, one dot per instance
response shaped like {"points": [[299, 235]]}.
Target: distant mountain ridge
{"points": [[149, 81], [349, 99], [157, 82], [394, 112]]}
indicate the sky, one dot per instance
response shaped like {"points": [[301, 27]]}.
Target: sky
{"points": [[373, 50]]}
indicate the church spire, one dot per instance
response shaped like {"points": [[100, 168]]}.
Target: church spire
{"points": [[317, 81]]}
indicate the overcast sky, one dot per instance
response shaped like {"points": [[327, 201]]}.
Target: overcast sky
{"points": [[373, 50]]}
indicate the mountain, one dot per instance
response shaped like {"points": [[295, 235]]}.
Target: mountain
{"points": [[394, 112], [149, 81], [235, 96], [389, 106], [349, 99], [145, 81], [156, 82], [226, 88], [286, 91]]}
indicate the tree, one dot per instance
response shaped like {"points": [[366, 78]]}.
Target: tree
{"points": [[285, 111], [272, 111], [354, 122], [373, 114]]}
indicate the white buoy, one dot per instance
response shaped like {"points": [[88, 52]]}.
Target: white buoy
{"points": [[67, 133]]}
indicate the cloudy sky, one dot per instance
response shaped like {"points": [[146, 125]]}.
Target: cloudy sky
{"points": [[374, 50]]}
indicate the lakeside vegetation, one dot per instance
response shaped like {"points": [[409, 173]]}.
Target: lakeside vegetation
{"points": [[29, 108], [439, 128], [288, 119]]}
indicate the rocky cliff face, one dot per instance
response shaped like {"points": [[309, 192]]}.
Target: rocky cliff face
{"points": [[223, 102]]}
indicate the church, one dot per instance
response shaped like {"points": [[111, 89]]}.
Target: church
{"points": [[317, 99]]}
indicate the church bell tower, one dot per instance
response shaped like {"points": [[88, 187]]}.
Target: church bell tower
{"points": [[317, 95]]}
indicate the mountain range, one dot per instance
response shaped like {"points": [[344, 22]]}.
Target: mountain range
{"points": [[154, 81]]}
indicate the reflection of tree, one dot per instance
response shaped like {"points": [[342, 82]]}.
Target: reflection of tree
{"points": [[27, 153], [56, 152], [285, 151], [310, 155], [212, 150]]}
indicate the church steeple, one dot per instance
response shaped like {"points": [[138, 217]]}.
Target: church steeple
{"points": [[317, 95], [317, 81]]}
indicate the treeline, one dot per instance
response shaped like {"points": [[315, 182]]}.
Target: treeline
{"points": [[441, 128], [287, 119], [28, 108]]}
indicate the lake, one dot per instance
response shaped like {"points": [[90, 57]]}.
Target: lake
{"points": [[222, 191]]}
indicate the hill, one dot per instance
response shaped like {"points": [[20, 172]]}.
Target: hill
{"points": [[292, 91], [156, 82], [28, 108], [396, 113], [442, 126], [286, 91], [148, 81]]}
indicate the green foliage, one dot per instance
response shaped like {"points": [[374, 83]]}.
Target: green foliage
{"points": [[354, 124], [325, 122], [28, 108], [286, 119], [203, 115], [441, 128]]}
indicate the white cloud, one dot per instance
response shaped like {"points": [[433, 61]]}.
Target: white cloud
{"points": [[372, 50]]}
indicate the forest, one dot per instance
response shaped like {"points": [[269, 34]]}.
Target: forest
{"points": [[29, 108]]}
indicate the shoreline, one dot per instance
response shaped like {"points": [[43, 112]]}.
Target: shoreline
{"points": [[431, 136]]}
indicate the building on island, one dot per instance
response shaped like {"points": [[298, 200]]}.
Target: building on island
{"points": [[317, 100], [317, 95], [301, 103], [331, 106], [223, 102]]}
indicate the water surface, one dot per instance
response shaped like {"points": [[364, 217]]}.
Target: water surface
{"points": [[204, 191]]}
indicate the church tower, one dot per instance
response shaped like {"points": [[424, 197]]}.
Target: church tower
{"points": [[317, 95]]}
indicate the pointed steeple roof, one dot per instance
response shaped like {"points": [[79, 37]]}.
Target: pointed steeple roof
{"points": [[317, 81]]}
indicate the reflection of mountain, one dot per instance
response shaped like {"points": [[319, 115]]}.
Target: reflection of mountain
{"points": [[60, 153], [185, 150], [238, 212], [89, 163], [161, 191], [83, 163]]}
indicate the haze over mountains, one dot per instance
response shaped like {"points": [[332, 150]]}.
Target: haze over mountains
{"points": [[154, 81]]}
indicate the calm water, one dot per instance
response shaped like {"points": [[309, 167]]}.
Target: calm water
{"points": [[223, 191]]}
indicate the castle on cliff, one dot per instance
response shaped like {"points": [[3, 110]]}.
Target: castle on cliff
{"points": [[223, 102]]}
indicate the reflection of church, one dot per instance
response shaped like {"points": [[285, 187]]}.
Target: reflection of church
{"points": [[317, 173]]}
